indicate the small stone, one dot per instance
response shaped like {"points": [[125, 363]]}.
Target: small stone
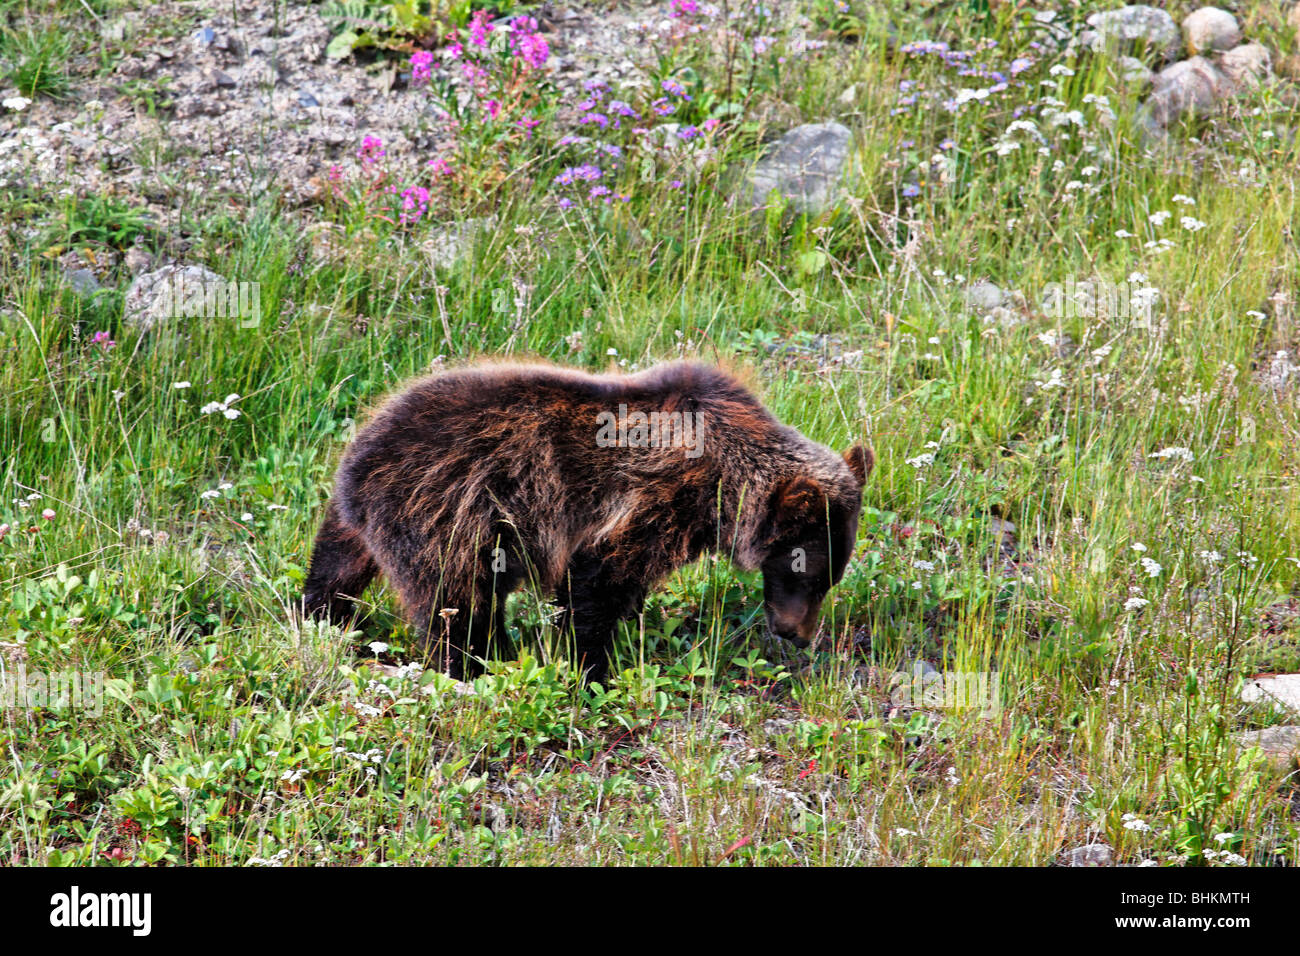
{"points": [[1001, 527], [776, 726], [919, 668], [1133, 72], [220, 80], [1093, 854], [137, 260], [205, 37], [1210, 29], [306, 99], [1007, 318], [446, 244], [983, 296], [196, 105], [151, 299], [115, 31], [81, 281]]}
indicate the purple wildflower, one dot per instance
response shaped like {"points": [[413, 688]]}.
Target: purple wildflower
{"points": [[415, 202], [421, 67], [534, 50], [675, 88], [479, 28], [372, 150], [574, 173]]}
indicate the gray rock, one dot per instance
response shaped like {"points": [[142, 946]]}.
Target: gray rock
{"points": [[449, 242], [219, 80], [807, 167], [1133, 72], [1282, 691], [984, 295], [1279, 745], [776, 726], [1209, 29], [205, 37], [151, 299], [1192, 87], [194, 104], [306, 99], [138, 259], [920, 668], [81, 281], [1093, 854], [1280, 374], [1136, 30], [1247, 65]]}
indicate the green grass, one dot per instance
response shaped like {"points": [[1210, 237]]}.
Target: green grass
{"points": [[35, 62], [230, 734]]}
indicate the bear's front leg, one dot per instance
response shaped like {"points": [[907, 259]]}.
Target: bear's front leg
{"points": [[597, 592]]}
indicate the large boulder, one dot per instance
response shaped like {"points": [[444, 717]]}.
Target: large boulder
{"points": [[1278, 746], [1136, 30], [1191, 87], [1280, 690], [1209, 30], [1247, 65]]}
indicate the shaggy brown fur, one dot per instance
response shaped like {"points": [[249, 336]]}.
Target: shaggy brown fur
{"points": [[471, 481]]}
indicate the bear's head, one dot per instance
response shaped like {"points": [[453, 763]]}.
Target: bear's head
{"points": [[808, 535]]}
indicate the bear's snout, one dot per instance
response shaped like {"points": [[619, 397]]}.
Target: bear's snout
{"points": [[799, 630]]}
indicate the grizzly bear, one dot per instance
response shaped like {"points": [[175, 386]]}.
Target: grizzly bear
{"points": [[592, 487]]}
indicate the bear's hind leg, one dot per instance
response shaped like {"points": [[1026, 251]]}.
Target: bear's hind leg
{"points": [[454, 636], [341, 567], [460, 642]]}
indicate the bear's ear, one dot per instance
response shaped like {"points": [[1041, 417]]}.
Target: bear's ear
{"points": [[794, 502], [860, 460]]}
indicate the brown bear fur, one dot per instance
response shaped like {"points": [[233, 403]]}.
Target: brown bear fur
{"points": [[470, 482]]}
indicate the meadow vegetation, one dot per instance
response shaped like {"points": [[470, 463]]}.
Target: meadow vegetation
{"points": [[1097, 506]]}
